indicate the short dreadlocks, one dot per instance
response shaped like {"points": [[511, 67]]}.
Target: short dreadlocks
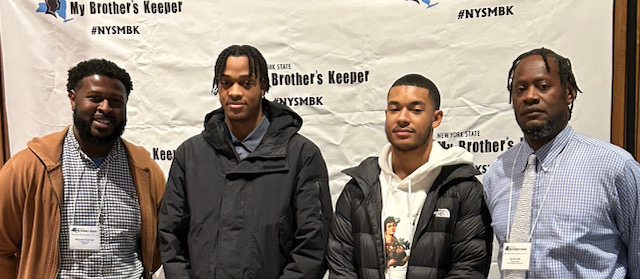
{"points": [[564, 68], [257, 65]]}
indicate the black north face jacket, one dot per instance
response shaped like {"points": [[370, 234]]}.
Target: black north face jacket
{"points": [[265, 216], [455, 247]]}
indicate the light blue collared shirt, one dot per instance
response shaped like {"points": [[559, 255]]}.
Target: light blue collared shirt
{"points": [[250, 143], [584, 211]]}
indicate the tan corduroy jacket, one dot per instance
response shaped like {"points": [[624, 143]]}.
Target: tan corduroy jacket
{"points": [[30, 204]]}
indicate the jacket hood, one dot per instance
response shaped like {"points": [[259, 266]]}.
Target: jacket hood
{"points": [[49, 148], [423, 177], [284, 123], [367, 173]]}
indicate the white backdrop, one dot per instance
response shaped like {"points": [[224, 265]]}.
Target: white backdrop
{"points": [[466, 47]]}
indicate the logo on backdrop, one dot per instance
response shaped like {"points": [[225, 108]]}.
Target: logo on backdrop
{"points": [[474, 142], [485, 12], [424, 2], [283, 74], [58, 8], [55, 8]]}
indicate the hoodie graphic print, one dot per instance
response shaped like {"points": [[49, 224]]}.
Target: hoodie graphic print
{"points": [[402, 201]]}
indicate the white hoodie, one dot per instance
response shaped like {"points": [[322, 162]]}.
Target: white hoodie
{"points": [[402, 201]]}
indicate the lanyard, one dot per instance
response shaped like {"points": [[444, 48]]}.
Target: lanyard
{"points": [[100, 195]]}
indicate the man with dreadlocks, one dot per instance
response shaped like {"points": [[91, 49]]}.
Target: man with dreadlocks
{"points": [[564, 205], [249, 196], [82, 203]]}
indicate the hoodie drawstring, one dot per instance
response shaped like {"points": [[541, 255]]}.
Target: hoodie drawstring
{"points": [[412, 219], [411, 216]]}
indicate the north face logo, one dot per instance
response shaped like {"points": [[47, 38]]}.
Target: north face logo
{"points": [[442, 213]]}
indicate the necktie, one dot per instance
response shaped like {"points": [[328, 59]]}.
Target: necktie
{"points": [[522, 217]]}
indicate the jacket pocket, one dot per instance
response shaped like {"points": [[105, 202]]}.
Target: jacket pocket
{"points": [[285, 235], [269, 249]]}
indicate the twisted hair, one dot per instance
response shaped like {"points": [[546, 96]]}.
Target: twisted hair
{"points": [[257, 65], [101, 67], [564, 70]]}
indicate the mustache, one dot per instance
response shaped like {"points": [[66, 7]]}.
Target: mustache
{"points": [[530, 110], [405, 129], [102, 116], [236, 103]]}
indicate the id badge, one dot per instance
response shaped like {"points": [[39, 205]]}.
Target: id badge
{"points": [[516, 256], [84, 238]]}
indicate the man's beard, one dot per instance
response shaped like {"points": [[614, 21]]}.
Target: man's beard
{"points": [[84, 130], [548, 129]]}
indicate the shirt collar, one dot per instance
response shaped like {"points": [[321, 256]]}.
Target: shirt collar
{"points": [[254, 138], [75, 145], [547, 154]]}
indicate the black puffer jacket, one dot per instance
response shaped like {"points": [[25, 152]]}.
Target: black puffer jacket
{"points": [[455, 247], [266, 216]]}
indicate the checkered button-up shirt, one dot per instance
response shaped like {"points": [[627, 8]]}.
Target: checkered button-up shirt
{"points": [[103, 196], [584, 213]]}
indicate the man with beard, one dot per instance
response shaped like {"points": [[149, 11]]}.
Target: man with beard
{"points": [[564, 205], [426, 196], [82, 202]]}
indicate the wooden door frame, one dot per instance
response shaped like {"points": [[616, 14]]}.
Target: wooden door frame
{"points": [[625, 105]]}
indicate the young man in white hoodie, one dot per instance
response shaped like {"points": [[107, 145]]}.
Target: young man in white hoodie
{"points": [[417, 210]]}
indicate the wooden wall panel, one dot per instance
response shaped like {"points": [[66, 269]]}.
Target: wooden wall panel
{"points": [[625, 106], [619, 72], [4, 137], [637, 81]]}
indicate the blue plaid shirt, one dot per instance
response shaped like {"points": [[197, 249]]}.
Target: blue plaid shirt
{"points": [[584, 206], [102, 196]]}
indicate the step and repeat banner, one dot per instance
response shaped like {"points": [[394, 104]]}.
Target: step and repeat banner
{"points": [[331, 61]]}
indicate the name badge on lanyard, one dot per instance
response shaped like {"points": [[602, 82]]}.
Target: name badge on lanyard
{"points": [[84, 238], [516, 256]]}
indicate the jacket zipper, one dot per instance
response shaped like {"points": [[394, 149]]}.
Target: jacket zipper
{"points": [[154, 212], [58, 222], [321, 210]]}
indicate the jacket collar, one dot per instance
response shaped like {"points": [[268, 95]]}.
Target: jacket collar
{"points": [[284, 123], [49, 148], [367, 173]]}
